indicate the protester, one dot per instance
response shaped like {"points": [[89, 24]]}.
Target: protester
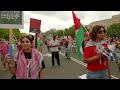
{"points": [[65, 45], [0, 50], [47, 42], [4, 52], [54, 44], [36, 47], [113, 48], [19, 47], [27, 63], [94, 56], [73, 45], [40, 45], [87, 38], [68, 48]]}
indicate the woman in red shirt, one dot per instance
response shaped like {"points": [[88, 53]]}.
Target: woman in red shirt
{"points": [[94, 55]]}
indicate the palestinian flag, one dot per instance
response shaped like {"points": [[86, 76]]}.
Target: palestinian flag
{"points": [[79, 35], [39, 42], [13, 42]]}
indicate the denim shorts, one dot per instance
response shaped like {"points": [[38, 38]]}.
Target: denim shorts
{"points": [[102, 74]]}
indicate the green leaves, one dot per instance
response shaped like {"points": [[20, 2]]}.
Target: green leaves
{"points": [[67, 32], [114, 30], [4, 33]]}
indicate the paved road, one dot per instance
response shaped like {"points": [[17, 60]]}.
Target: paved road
{"points": [[69, 69]]}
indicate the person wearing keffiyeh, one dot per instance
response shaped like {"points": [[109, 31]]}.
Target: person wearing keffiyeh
{"points": [[96, 55], [27, 63]]}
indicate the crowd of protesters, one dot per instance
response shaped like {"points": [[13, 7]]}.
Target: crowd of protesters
{"points": [[28, 62]]}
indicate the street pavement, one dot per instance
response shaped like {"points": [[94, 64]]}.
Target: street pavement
{"points": [[72, 69], [69, 69]]}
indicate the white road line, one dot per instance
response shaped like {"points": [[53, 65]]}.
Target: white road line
{"points": [[84, 64], [48, 55], [78, 61]]}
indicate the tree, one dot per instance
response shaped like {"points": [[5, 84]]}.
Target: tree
{"points": [[4, 33], [60, 33], [66, 32], [114, 30], [71, 32]]}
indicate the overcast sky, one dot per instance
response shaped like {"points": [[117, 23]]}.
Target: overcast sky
{"points": [[63, 19]]}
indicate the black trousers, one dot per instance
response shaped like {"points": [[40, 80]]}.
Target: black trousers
{"points": [[56, 56]]}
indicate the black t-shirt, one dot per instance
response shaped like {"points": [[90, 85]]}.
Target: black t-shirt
{"points": [[28, 56]]}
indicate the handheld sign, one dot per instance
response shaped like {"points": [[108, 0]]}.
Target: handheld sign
{"points": [[35, 25]]}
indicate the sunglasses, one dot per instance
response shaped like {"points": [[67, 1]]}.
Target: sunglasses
{"points": [[101, 31]]}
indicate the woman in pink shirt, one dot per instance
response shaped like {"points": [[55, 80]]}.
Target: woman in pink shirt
{"points": [[4, 51]]}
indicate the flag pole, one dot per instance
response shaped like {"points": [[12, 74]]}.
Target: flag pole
{"points": [[10, 43], [85, 28]]}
